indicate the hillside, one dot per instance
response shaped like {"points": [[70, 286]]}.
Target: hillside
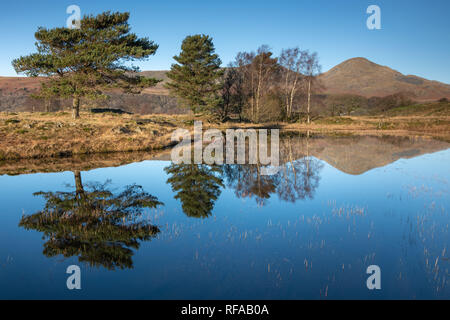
{"points": [[15, 96], [357, 76], [159, 88], [360, 76]]}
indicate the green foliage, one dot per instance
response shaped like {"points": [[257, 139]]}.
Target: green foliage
{"points": [[196, 79], [94, 224], [83, 62], [441, 109], [197, 187]]}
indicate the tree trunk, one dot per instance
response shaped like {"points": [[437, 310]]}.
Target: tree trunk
{"points": [[286, 92], [79, 190], [252, 96], [258, 92], [309, 99], [76, 108], [78, 183], [47, 105], [307, 154], [292, 96]]}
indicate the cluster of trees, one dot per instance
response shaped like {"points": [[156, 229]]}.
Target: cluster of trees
{"points": [[350, 104], [83, 63], [256, 86], [263, 87]]}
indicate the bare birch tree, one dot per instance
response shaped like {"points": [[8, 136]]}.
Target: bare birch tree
{"points": [[264, 69], [292, 61], [258, 71], [311, 69]]}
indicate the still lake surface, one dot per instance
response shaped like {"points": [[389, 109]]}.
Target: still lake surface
{"points": [[154, 230]]}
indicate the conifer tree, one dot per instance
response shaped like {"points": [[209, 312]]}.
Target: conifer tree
{"points": [[81, 63], [196, 79]]}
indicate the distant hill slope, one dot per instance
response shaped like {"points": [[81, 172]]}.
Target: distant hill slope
{"points": [[15, 95], [159, 88], [357, 76], [362, 77]]}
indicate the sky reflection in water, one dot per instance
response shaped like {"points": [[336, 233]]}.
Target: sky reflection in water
{"points": [[309, 232]]}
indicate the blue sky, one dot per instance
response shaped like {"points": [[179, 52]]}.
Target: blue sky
{"points": [[414, 39]]}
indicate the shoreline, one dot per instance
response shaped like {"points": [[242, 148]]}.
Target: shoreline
{"points": [[29, 135], [352, 154]]}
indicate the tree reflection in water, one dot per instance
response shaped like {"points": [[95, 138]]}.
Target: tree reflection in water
{"points": [[197, 186], [296, 180], [99, 227], [247, 181], [299, 179]]}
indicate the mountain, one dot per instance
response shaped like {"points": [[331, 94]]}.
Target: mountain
{"points": [[361, 77], [357, 76], [365, 78]]}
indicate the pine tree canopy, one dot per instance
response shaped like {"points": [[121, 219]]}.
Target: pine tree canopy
{"points": [[83, 62], [196, 79]]}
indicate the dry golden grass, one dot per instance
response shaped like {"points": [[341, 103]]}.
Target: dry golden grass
{"points": [[39, 135], [435, 127]]}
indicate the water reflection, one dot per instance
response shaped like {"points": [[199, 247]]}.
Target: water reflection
{"points": [[324, 217], [299, 180], [247, 181], [196, 186], [294, 181], [349, 154], [94, 224]]}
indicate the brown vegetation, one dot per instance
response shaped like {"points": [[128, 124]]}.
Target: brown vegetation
{"points": [[39, 135], [355, 87], [353, 154], [365, 78]]}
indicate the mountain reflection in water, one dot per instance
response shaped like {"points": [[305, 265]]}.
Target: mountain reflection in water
{"points": [[335, 206]]}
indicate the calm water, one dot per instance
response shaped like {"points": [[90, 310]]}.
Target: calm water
{"points": [[337, 206]]}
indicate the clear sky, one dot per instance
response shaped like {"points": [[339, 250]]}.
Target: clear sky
{"points": [[414, 36]]}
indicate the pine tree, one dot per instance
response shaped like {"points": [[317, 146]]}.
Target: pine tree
{"points": [[196, 79], [80, 63]]}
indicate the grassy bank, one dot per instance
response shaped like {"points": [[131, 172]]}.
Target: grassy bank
{"points": [[41, 135], [38, 135]]}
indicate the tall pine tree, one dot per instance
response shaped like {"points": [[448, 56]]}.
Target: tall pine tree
{"points": [[82, 62], [196, 79]]}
